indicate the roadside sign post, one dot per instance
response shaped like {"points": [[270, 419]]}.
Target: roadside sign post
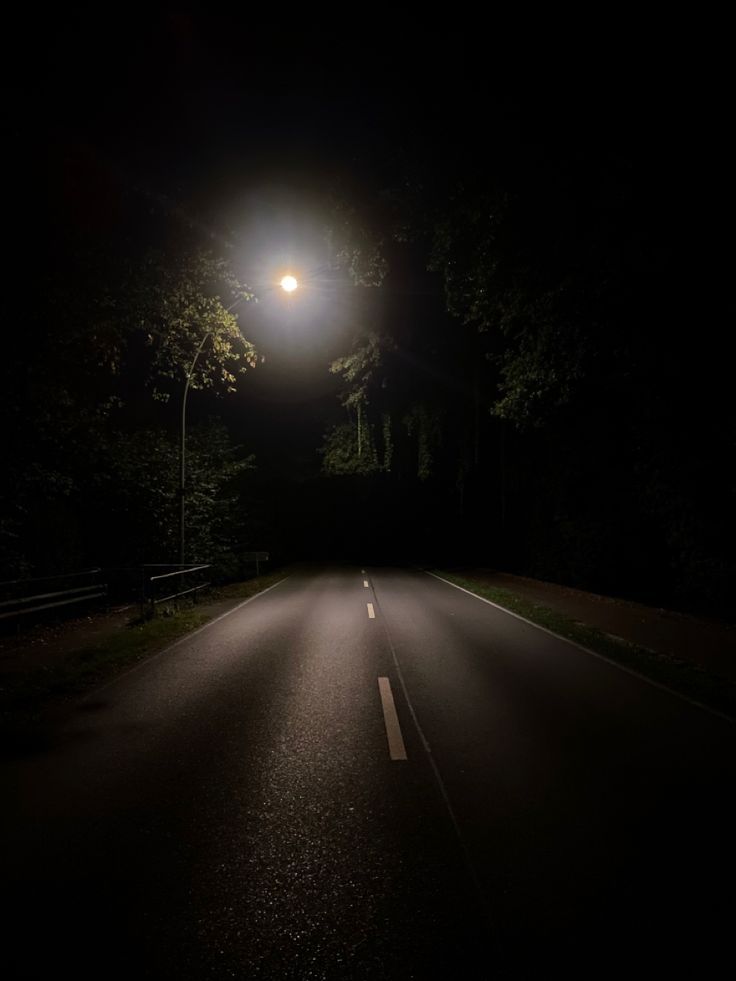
{"points": [[256, 557]]}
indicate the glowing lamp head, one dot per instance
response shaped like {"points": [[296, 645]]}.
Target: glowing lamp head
{"points": [[288, 284]]}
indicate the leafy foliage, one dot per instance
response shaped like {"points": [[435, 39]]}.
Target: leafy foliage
{"points": [[86, 439], [350, 450], [356, 245], [140, 478], [358, 368], [425, 423], [177, 308]]}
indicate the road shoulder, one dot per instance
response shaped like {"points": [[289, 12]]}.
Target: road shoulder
{"points": [[48, 667], [622, 632]]}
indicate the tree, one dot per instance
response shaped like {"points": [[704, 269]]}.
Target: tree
{"points": [[584, 281], [77, 385], [175, 306], [138, 484]]}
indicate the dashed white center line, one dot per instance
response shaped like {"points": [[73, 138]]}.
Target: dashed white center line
{"points": [[396, 748], [362, 572], [371, 611], [365, 583]]}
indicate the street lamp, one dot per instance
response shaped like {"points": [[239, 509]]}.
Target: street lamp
{"points": [[288, 284]]}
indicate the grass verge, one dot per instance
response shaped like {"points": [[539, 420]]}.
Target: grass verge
{"points": [[684, 677], [29, 699]]}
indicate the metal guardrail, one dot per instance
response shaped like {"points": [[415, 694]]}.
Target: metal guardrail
{"points": [[149, 589], [19, 597], [17, 606]]}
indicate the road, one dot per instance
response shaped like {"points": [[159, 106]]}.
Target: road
{"points": [[238, 806]]}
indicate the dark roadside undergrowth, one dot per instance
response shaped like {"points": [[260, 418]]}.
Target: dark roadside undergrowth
{"points": [[31, 701], [683, 677]]}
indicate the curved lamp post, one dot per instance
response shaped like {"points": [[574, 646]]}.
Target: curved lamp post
{"points": [[288, 284]]}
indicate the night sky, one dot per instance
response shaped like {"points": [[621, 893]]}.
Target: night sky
{"points": [[128, 131]]}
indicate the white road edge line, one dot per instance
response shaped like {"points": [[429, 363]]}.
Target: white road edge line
{"points": [[371, 611], [396, 747], [365, 583], [580, 647]]}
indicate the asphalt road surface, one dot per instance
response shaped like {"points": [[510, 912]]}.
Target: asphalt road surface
{"points": [[373, 775]]}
